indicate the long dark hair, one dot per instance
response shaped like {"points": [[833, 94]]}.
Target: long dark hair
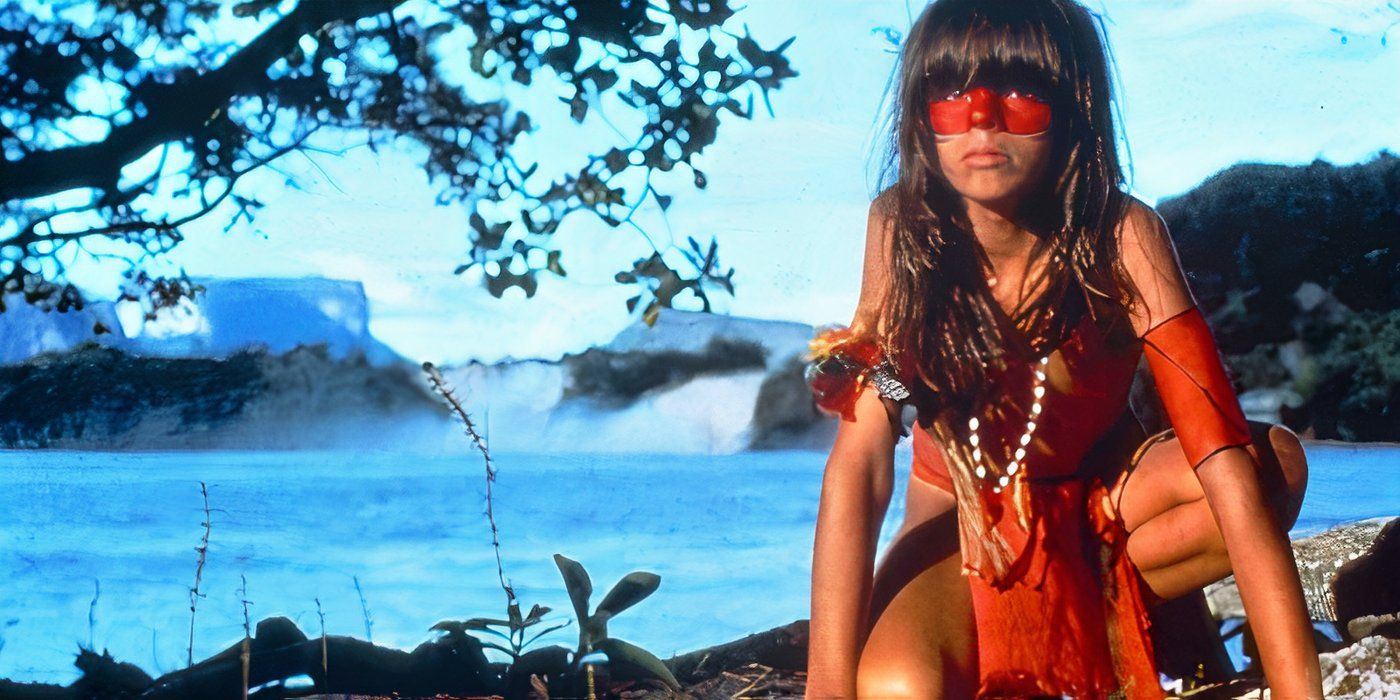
{"points": [[939, 316]]}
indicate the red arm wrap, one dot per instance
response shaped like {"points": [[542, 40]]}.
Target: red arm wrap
{"points": [[1185, 363], [840, 362]]}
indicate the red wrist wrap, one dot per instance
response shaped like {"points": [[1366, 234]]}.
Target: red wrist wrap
{"points": [[1200, 403]]}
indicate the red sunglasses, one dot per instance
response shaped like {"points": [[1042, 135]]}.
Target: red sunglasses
{"points": [[1022, 114]]}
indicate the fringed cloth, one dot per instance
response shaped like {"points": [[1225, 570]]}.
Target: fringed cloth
{"points": [[1058, 605]]}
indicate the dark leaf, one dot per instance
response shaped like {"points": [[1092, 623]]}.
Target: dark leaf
{"points": [[626, 652], [577, 583], [629, 591]]}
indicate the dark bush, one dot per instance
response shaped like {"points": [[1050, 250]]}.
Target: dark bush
{"points": [[104, 391], [626, 375], [784, 405], [1359, 383]]}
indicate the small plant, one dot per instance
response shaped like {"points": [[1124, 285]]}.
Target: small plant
{"points": [[593, 628], [512, 629]]}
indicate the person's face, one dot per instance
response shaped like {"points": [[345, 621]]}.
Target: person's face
{"points": [[1017, 163]]}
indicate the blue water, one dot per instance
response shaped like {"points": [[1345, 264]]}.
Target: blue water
{"points": [[731, 537]]}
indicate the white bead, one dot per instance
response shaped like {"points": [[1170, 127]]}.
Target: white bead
{"points": [[981, 470]]}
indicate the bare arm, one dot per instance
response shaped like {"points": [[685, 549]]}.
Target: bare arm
{"points": [[856, 490], [857, 485], [1258, 546]]}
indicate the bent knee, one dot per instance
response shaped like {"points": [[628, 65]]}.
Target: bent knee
{"points": [[910, 673], [1289, 465], [1279, 443], [895, 681], [887, 684], [1291, 456]]}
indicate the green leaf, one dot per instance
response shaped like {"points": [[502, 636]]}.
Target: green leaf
{"points": [[488, 630], [481, 622], [618, 650], [629, 591], [544, 632], [552, 263], [578, 584], [537, 611], [498, 647]]}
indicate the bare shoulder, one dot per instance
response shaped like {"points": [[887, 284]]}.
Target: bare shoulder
{"points": [[1150, 259], [1142, 225], [883, 204], [877, 261]]}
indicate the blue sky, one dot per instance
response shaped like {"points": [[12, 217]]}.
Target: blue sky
{"points": [[1204, 84]]}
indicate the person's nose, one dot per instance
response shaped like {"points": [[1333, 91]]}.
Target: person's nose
{"points": [[984, 108]]}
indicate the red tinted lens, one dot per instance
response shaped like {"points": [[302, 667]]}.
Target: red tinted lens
{"points": [[1023, 114], [1018, 114], [950, 117]]}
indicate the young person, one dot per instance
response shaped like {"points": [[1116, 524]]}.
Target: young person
{"points": [[1010, 289]]}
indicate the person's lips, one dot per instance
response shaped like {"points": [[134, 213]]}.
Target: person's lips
{"points": [[985, 155]]}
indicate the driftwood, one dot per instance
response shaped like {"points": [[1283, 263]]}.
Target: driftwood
{"points": [[782, 648], [280, 651]]}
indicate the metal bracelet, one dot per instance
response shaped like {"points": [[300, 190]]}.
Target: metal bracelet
{"points": [[886, 383]]}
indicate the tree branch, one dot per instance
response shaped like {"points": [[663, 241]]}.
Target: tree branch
{"points": [[176, 110]]}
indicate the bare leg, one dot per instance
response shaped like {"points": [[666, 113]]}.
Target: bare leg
{"points": [[1173, 538], [922, 643]]}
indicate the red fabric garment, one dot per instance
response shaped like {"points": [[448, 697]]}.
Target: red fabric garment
{"points": [[1066, 615], [1070, 618]]}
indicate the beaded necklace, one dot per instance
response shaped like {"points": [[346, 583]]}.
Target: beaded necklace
{"points": [[984, 469]]}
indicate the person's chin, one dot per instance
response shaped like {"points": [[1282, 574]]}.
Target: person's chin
{"points": [[992, 193]]}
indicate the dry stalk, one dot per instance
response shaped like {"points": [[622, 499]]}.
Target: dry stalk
{"points": [[364, 612], [195, 595], [753, 683], [244, 652], [440, 386], [92, 610], [325, 665]]}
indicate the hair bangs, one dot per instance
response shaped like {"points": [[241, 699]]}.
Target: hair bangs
{"points": [[989, 45]]}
